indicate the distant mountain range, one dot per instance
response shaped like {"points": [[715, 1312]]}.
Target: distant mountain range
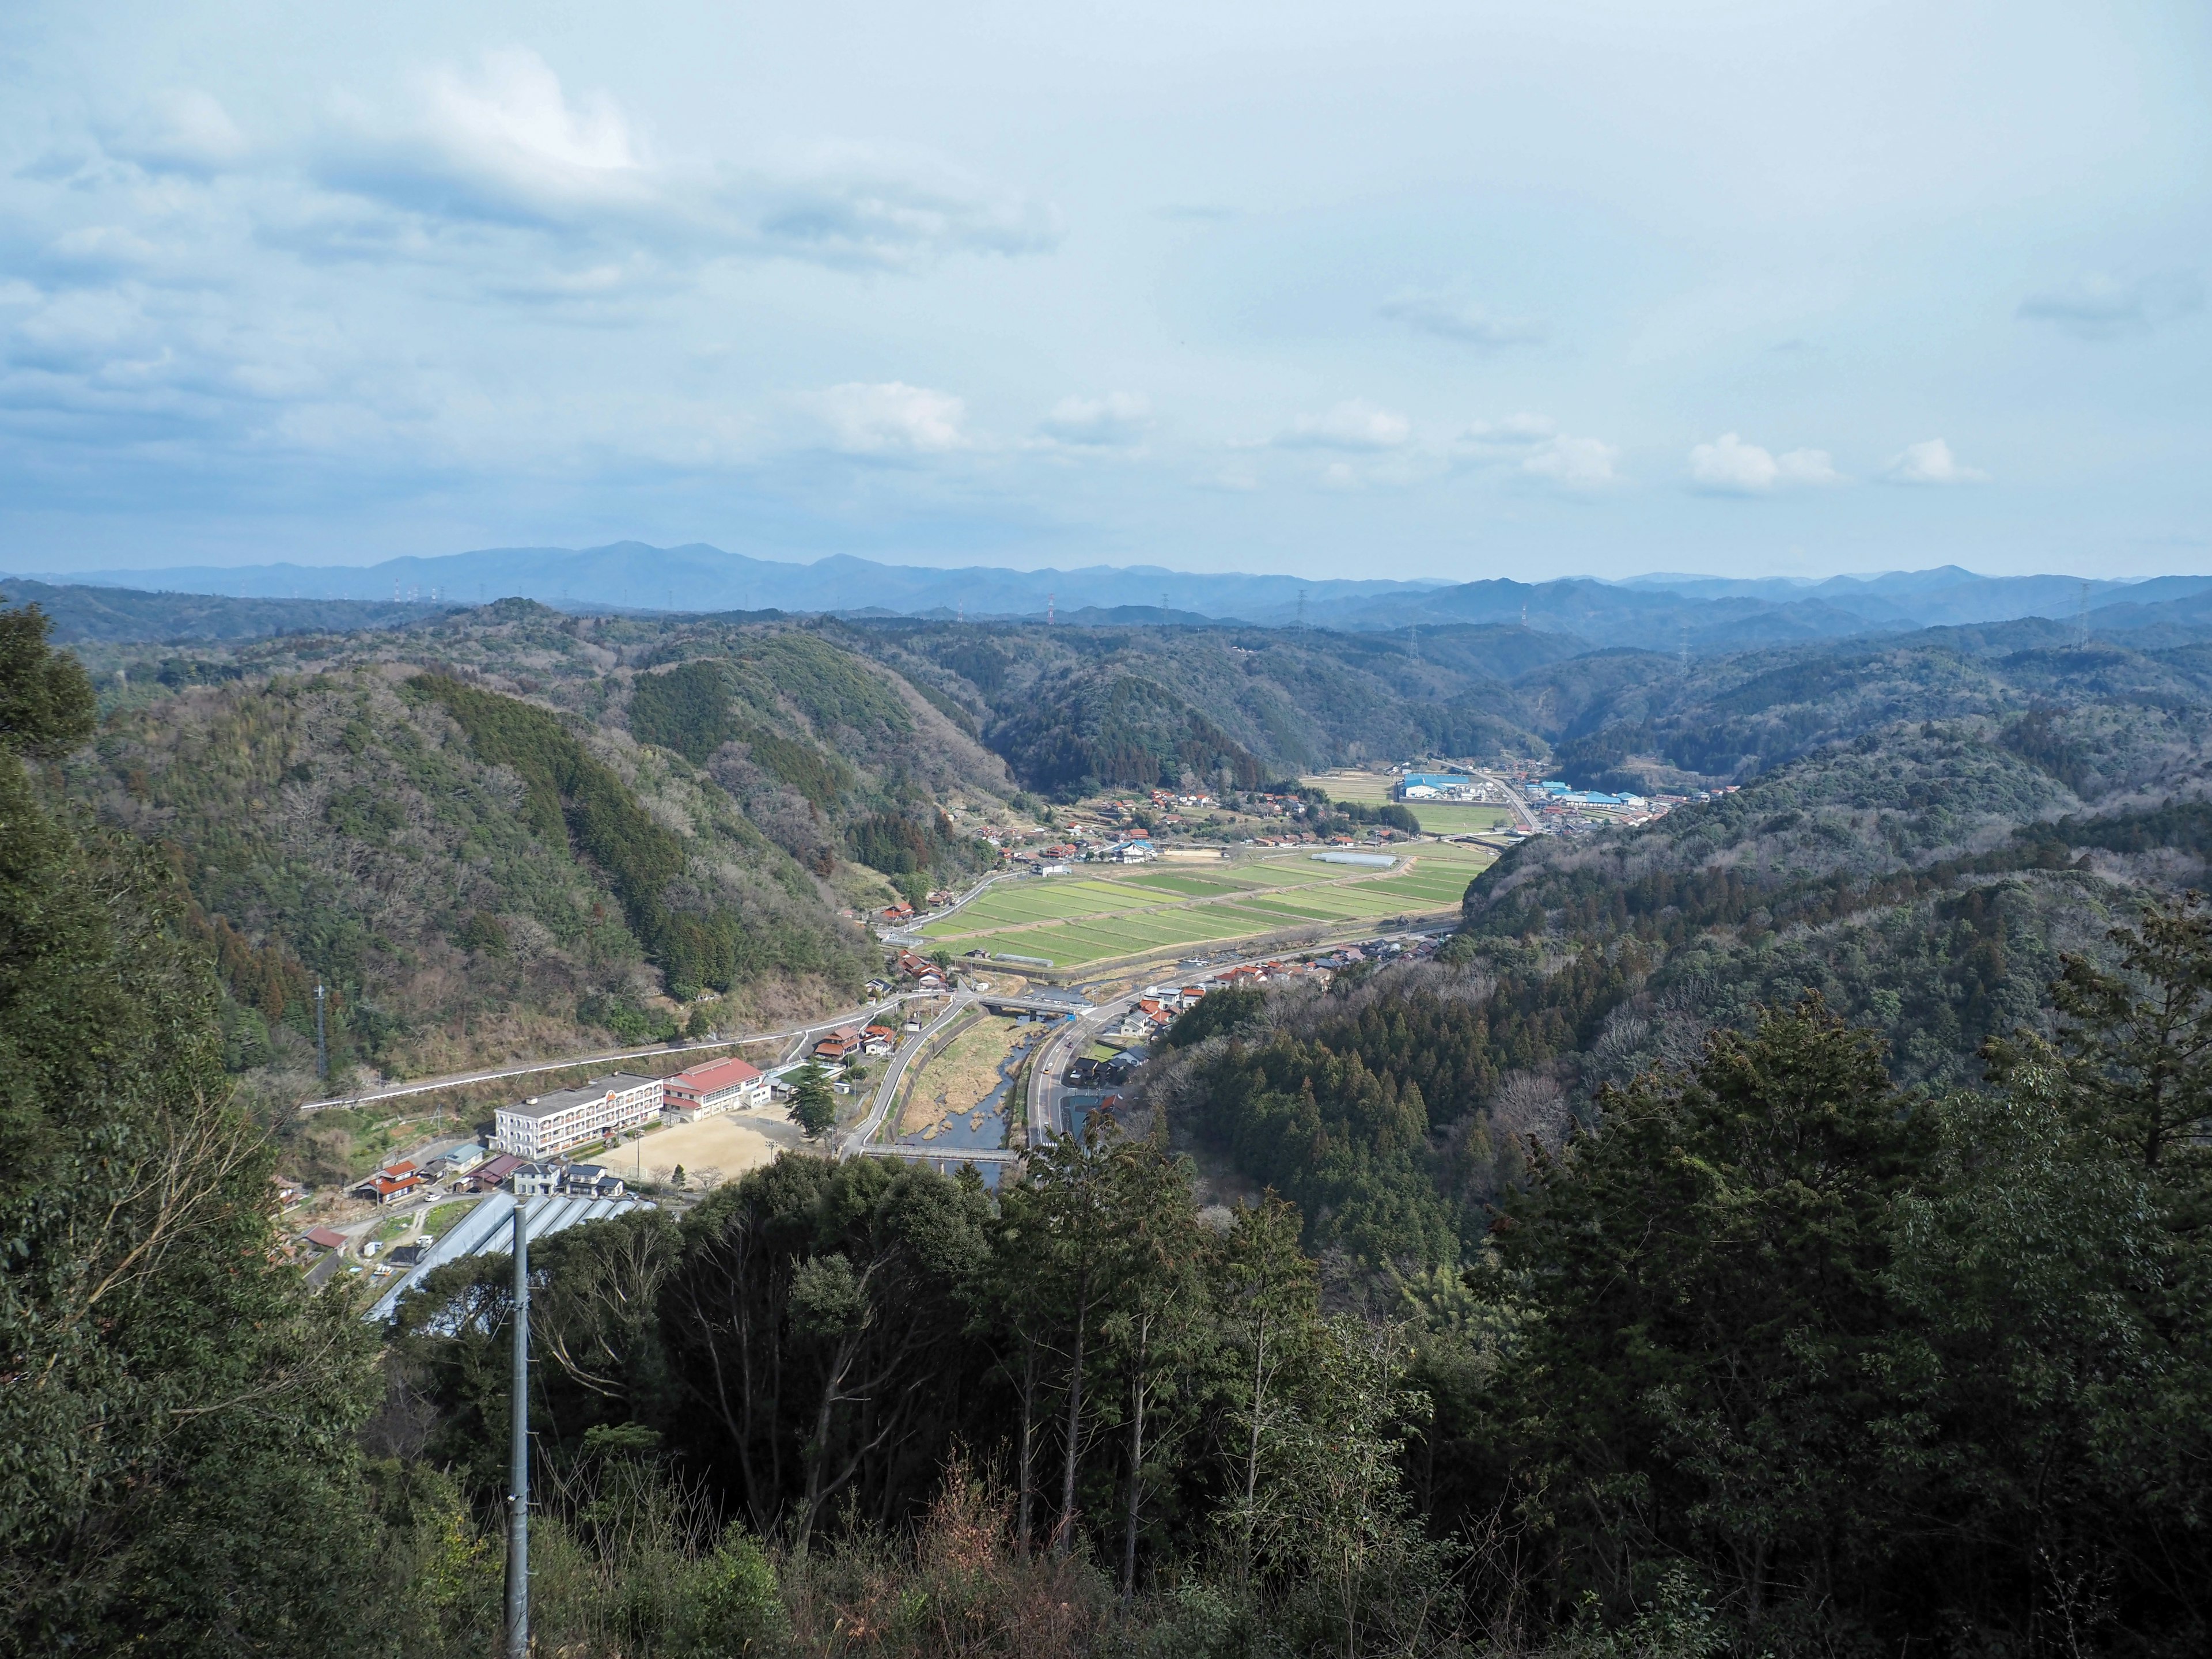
{"points": [[1698, 614], [698, 578]]}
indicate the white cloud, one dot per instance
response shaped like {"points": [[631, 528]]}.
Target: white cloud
{"points": [[1496, 439], [180, 130], [891, 418], [1576, 463], [1456, 316], [1353, 424], [1118, 417], [2100, 307], [1931, 462], [508, 146], [1730, 466]]}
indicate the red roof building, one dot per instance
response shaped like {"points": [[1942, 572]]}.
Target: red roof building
{"points": [[719, 1085], [386, 1187], [838, 1046]]}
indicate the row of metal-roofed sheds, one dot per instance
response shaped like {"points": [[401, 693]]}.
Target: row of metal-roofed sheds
{"points": [[489, 1230]]}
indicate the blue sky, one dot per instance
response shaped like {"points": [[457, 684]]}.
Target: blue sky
{"points": [[1451, 290]]}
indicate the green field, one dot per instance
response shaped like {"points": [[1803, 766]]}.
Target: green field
{"points": [[1072, 920], [1451, 819], [1436, 818]]}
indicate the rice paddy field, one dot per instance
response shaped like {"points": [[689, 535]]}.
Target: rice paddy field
{"points": [[1072, 921], [1437, 818]]}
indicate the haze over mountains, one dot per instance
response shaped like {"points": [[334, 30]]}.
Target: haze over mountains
{"points": [[1664, 611]]}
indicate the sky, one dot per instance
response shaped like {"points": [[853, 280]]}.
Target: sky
{"points": [[1449, 291]]}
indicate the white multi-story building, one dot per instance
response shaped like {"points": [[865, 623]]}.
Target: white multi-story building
{"points": [[545, 1124]]}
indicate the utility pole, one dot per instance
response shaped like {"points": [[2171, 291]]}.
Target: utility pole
{"points": [[322, 1035], [518, 1524]]}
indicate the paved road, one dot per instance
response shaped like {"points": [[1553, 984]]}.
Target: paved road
{"points": [[796, 1034], [1067, 1040], [1514, 799], [856, 1140]]}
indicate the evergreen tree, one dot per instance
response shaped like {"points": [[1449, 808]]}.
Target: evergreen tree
{"points": [[813, 1104], [177, 1464]]}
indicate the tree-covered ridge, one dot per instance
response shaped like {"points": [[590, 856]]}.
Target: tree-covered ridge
{"points": [[1807, 843], [1926, 880], [338, 826], [696, 942], [823, 752], [1078, 734]]}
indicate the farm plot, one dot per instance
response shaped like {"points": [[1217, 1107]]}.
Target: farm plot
{"points": [[1435, 818], [1162, 910]]}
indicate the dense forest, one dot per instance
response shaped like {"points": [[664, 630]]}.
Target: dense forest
{"points": [[1776, 1230]]}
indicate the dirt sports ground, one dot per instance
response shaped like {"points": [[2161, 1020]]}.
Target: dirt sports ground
{"points": [[712, 1150]]}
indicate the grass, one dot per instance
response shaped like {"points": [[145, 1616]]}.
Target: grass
{"points": [[1372, 787], [958, 1078], [1160, 909], [445, 1216], [388, 1230], [1461, 820], [1437, 818]]}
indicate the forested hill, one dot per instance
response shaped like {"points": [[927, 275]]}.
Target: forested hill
{"points": [[510, 833], [110, 614], [1927, 878], [1073, 708]]}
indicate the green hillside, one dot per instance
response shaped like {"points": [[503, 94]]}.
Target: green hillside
{"points": [[510, 833]]}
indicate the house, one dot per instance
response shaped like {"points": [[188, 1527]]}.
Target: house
{"points": [[391, 1183], [838, 1047], [719, 1085], [899, 912], [879, 1040], [289, 1193], [544, 1124], [494, 1171], [534, 1180], [588, 1181], [323, 1238]]}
